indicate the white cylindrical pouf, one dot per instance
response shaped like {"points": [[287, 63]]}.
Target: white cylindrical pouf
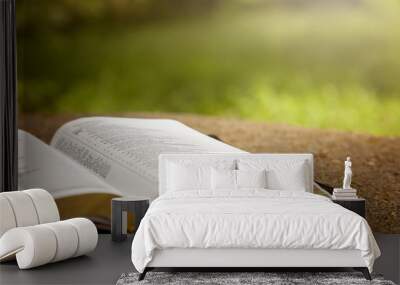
{"points": [[40, 244], [87, 234], [7, 218], [34, 246], [45, 205], [67, 239], [23, 208]]}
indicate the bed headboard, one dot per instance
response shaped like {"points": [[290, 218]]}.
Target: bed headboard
{"points": [[164, 159]]}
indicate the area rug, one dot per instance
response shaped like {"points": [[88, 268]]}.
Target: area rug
{"points": [[269, 278]]}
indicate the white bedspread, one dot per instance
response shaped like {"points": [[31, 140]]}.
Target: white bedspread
{"points": [[250, 219]]}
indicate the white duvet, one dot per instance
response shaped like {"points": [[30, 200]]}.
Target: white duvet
{"points": [[250, 219]]}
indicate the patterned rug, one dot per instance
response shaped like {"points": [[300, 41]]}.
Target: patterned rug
{"points": [[269, 278]]}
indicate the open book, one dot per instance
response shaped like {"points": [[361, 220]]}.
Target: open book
{"points": [[116, 156]]}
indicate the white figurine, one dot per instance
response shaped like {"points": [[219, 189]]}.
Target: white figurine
{"points": [[347, 174]]}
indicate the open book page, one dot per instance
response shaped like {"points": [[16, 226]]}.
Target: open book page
{"points": [[41, 166], [125, 151]]}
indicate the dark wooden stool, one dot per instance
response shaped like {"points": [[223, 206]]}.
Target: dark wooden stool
{"points": [[119, 214]]}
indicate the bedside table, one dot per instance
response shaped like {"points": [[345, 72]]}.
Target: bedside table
{"points": [[355, 205], [137, 205]]}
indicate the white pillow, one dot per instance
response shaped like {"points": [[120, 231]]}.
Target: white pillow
{"points": [[223, 179], [193, 174], [184, 178], [289, 175], [251, 178]]}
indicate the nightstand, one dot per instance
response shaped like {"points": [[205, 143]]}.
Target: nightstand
{"points": [[119, 214], [355, 205]]}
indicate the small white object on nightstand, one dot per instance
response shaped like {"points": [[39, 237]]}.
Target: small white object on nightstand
{"points": [[346, 193], [347, 174]]}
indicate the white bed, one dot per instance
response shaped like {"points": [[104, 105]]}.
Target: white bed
{"points": [[249, 227]]}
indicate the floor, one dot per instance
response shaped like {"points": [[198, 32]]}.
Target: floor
{"points": [[110, 260], [389, 262]]}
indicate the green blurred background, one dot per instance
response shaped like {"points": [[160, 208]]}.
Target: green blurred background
{"points": [[320, 63]]}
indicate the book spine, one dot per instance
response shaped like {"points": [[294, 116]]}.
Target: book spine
{"points": [[345, 197], [344, 191]]}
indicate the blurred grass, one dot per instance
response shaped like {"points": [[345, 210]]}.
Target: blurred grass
{"points": [[315, 67]]}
